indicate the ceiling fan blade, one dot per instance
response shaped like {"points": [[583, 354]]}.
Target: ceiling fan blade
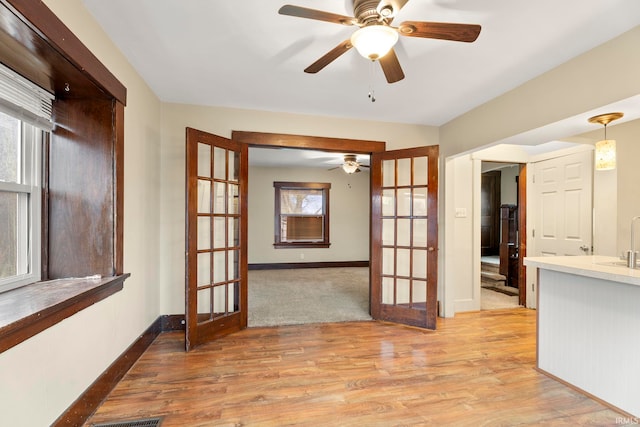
{"points": [[303, 12], [440, 30], [329, 57], [364, 166], [391, 67]]}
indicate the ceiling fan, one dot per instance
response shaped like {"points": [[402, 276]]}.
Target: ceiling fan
{"points": [[351, 164], [376, 37]]}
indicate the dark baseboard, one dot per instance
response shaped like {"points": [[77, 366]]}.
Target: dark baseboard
{"points": [[291, 265], [80, 410]]}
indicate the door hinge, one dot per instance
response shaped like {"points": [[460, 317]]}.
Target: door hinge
{"points": [[533, 178], [533, 232]]}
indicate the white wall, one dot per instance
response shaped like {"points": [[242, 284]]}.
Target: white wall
{"points": [[42, 376], [348, 214]]}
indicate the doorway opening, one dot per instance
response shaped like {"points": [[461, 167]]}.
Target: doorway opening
{"points": [[296, 284], [500, 257]]}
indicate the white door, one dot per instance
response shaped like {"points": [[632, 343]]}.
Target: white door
{"points": [[563, 200]]}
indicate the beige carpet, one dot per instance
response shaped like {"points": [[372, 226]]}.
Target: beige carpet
{"points": [[322, 295], [308, 295], [490, 300]]}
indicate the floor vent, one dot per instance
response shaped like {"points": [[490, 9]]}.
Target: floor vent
{"points": [[146, 422]]}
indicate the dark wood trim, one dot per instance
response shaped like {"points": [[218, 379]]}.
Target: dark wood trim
{"points": [[118, 187], [37, 16], [309, 142], [44, 231], [292, 265], [522, 234], [36, 307], [298, 245], [172, 322], [85, 405], [297, 185]]}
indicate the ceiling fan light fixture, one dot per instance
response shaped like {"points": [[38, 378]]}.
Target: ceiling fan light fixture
{"points": [[350, 167], [374, 41]]}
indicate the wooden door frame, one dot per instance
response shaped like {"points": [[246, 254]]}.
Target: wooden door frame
{"points": [[342, 145], [522, 234]]}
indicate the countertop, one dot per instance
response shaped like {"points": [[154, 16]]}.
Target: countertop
{"points": [[596, 266]]}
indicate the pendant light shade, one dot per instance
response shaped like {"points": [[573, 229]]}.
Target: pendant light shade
{"points": [[605, 156], [374, 41], [350, 167]]}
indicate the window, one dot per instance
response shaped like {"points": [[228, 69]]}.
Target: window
{"points": [[301, 214], [20, 200]]}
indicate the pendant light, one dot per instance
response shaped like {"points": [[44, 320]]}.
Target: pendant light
{"points": [[605, 149]]}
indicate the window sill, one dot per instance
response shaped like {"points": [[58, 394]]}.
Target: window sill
{"points": [[301, 245], [29, 310]]}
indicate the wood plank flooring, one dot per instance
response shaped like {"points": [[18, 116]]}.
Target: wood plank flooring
{"points": [[477, 369]]}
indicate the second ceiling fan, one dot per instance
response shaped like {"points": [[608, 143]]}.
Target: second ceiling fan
{"points": [[376, 37], [350, 164]]}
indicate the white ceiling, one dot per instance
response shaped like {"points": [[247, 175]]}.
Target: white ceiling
{"points": [[244, 54], [280, 157]]}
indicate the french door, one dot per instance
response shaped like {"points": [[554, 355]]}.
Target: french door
{"points": [[404, 226], [216, 237]]}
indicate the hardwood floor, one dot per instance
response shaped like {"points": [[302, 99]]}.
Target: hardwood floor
{"points": [[476, 369]]}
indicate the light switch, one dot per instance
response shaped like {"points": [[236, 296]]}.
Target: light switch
{"points": [[461, 212]]}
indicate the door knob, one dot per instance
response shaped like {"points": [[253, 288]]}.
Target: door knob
{"points": [[584, 248]]}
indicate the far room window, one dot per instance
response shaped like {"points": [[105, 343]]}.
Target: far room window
{"points": [[301, 214]]}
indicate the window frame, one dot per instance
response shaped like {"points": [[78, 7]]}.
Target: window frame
{"points": [[283, 185], [30, 216]]}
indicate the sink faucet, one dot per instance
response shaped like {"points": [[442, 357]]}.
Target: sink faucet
{"points": [[631, 253]]}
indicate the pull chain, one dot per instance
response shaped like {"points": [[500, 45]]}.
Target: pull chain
{"points": [[372, 92]]}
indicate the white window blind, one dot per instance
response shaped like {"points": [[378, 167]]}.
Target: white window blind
{"points": [[24, 100]]}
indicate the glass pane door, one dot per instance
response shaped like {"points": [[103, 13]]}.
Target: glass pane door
{"points": [[404, 256], [216, 260]]}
